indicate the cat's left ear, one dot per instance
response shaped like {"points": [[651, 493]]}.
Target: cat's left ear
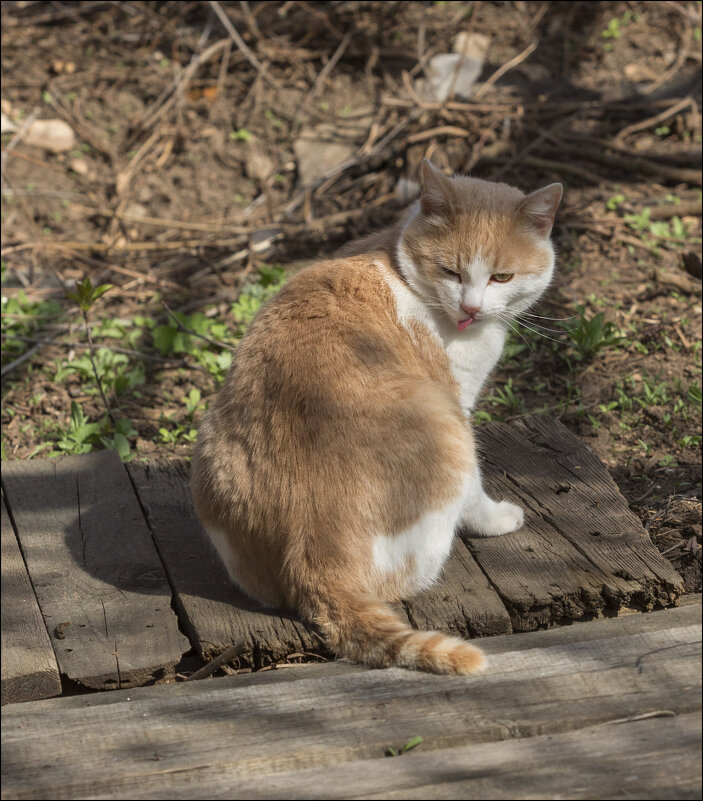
{"points": [[539, 208]]}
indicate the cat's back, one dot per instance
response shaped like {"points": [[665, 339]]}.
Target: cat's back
{"points": [[335, 325]]}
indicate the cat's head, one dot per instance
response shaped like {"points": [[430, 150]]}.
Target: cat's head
{"points": [[478, 250]]}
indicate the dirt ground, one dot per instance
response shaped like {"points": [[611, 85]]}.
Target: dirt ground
{"points": [[199, 160]]}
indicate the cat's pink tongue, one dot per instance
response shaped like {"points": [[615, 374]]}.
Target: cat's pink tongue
{"points": [[462, 324]]}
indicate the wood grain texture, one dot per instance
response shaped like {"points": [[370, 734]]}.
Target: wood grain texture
{"points": [[29, 669], [268, 737], [581, 553], [652, 758], [215, 613], [463, 602], [100, 585]]}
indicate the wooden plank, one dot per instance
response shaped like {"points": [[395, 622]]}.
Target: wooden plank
{"points": [[582, 553], [651, 758], [100, 585], [29, 669], [218, 614], [215, 613], [204, 739], [463, 602]]}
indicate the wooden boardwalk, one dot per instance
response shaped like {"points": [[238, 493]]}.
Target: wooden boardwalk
{"points": [[126, 582], [109, 582], [607, 709]]}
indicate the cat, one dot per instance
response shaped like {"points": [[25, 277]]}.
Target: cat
{"points": [[335, 466]]}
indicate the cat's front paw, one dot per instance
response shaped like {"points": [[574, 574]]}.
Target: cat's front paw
{"points": [[498, 518]]}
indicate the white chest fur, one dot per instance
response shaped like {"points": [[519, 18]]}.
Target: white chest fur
{"points": [[472, 353]]}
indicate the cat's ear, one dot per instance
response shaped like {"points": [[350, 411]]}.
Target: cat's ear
{"points": [[436, 199], [539, 208]]}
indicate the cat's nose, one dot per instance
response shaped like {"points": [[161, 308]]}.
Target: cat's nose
{"points": [[472, 310]]}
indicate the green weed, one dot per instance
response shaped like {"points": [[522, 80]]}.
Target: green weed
{"points": [[254, 295], [507, 397], [83, 436], [391, 752], [615, 202], [116, 372], [616, 25], [588, 335]]}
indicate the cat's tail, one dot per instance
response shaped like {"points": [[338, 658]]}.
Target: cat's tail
{"points": [[366, 630]]}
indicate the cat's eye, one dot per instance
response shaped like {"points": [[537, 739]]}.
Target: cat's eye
{"points": [[450, 273], [502, 278]]}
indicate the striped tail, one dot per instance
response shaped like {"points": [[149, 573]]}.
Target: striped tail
{"points": [[366, 630]]}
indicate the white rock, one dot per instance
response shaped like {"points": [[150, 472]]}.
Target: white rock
{"points": [[7, 125], [54, 135]]}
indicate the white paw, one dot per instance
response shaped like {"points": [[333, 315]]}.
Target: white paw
{"points": [[499, 518]]}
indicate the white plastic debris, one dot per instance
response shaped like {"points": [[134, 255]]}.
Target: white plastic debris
{"points": [[54, 135], [454, 73]]}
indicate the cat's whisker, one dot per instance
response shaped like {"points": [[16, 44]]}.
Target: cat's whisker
{"points": [[504, 317], [541, 333], [543, 327], [553, 319]]}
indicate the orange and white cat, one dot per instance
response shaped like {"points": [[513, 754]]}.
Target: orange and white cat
{"points": [[335, 466]]}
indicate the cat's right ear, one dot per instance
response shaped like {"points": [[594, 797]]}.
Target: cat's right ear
{"points": [[436, 199], [539, 208]]}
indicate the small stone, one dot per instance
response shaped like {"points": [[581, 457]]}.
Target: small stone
{"points": [[257, 165], [79, 166], [316, 157], [54, 135], [6, 125]]}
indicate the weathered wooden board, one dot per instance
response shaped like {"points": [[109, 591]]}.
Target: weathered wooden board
{"points": [[581, 553], [251, 736], [463, 602], [219, 615], [653, 758], [29, 669], [215, 613], [100, 585]]}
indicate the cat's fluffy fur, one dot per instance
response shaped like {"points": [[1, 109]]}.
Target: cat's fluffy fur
{"points": [[337, 462]]}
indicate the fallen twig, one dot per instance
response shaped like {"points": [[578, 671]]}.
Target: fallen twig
{"points": [[241, 44], [226, 656], [23, 358], [329, 66], [632, 163], [686, 208], [177, 89], [652, 121], [560, 167], [131, 247], [442, 130], [498, 74]]}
